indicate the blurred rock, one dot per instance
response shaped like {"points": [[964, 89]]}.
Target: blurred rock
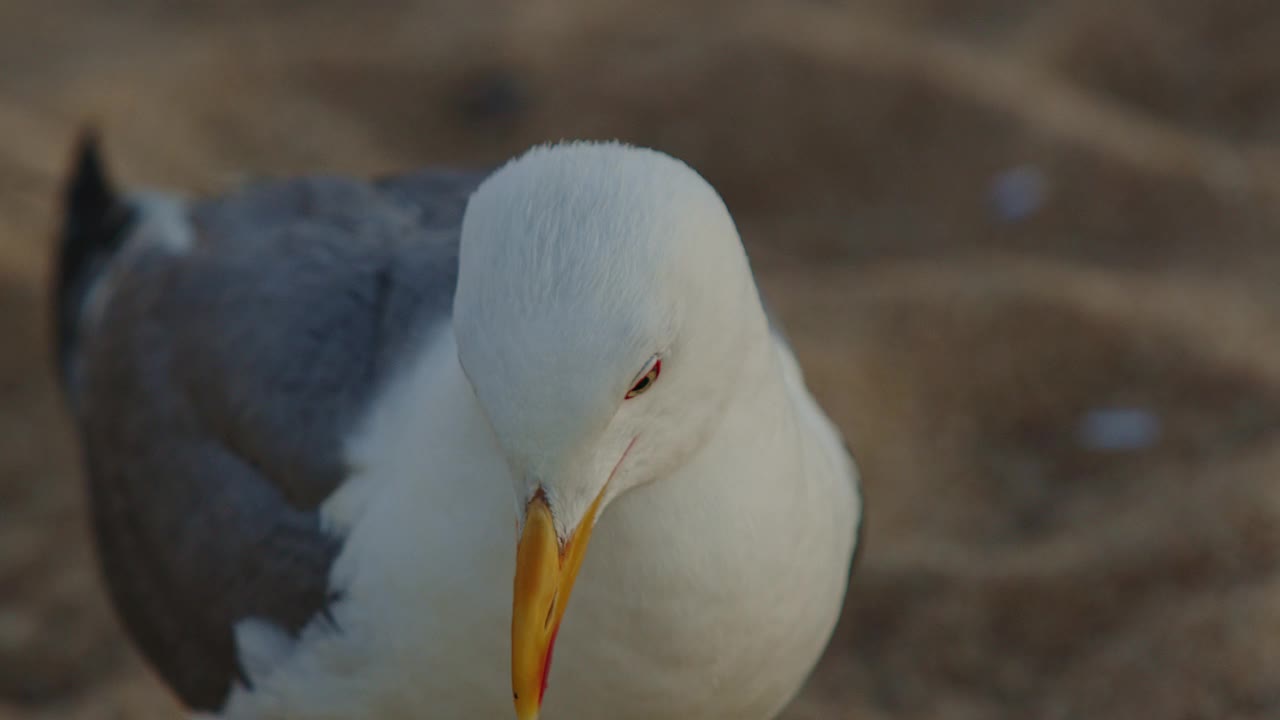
{"points": [[493, 98]]}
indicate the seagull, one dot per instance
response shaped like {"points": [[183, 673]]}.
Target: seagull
{"points": [[351, 444]]}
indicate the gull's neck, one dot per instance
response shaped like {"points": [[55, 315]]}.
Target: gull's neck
{"points": [[741, 552]]}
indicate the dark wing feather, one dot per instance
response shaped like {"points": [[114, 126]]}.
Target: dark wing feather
{"points": [[219, 385]]}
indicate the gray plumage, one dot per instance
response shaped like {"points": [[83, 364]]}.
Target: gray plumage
{"points": [[213, 386]]}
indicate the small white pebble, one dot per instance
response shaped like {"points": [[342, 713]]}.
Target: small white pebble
{"points": [[1018, 193], [1119, 429]]}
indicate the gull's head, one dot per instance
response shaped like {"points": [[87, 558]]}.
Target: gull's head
{"points": [[603, 309]]}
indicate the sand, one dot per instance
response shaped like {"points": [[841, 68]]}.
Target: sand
{"points": [[1027, 253]]}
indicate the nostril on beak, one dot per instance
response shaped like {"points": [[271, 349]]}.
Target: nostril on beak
{"points": [[551, 610]]}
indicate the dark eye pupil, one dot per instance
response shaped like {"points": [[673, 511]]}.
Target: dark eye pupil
{"points": [[643, 383]]}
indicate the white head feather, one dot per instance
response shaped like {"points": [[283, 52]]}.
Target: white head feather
{"points": [[579, 263]]}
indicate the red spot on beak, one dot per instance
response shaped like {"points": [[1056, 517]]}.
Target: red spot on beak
{"points": [[546, 664]]}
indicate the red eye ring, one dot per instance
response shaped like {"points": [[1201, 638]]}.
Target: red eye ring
{"points": [[646, 381]]}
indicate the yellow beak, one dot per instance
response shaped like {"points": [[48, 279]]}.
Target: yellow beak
{"points": [[545, 571]]}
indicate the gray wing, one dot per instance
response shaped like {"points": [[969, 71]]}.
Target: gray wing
{"points": [[218, 384]]}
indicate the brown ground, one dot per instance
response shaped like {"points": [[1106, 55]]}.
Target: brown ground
{"points": [[1009, 571]]}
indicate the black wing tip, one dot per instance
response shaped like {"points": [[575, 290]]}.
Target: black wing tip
{"points": [[93, 222], [90, 194]]}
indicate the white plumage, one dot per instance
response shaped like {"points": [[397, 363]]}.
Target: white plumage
{"points": [[727, 504]]}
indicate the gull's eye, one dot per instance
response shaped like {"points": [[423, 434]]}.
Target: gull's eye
{"points": [[646, 380]]}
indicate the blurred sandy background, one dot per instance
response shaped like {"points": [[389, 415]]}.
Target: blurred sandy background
{"points": [[1028, 253]]}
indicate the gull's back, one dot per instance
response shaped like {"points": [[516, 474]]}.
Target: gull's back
{"points": [[215, 354]]}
